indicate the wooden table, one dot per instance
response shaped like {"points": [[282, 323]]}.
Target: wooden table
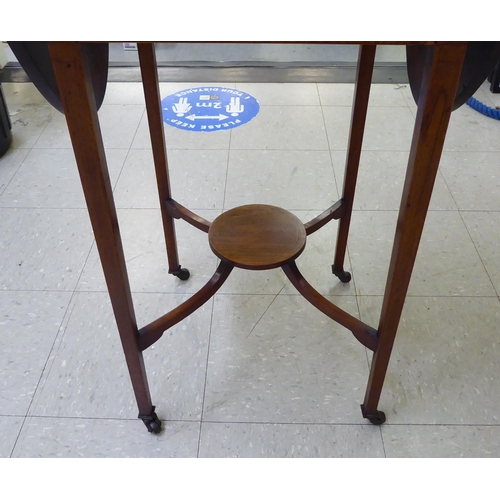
{"points": [[259, 236]]}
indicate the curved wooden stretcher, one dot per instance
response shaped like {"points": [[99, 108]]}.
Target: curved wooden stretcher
{"points": [[258, 237]]}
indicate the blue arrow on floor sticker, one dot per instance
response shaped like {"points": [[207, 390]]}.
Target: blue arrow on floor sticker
{"points": [[209, 109]]}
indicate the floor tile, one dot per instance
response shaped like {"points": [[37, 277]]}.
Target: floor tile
{"points": [[29, 121], [443, 367], [336, 94], [124, 93], [441, 269], [197, 179], [19, 94], [9, 165], [87, 375], [342, 94], [447, 262], [55, 134], [470, 130], [118, 123], [182, 139], [439, 441], [146, 255], [381, 133], [102, 438], [49, 178], [484, 228], [282, 94], [294, 180], [473, 178], [30, 322], [43, 249], [337, 121], [289, 441], [381, 178], [387, 95], [282, 127], [279, 360], [405, 90], [9, 430]]}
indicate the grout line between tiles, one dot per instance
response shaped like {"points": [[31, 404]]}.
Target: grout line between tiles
{"points": [[227, 170], [206, 376], [479, 255], [382, 440], [267, 309], [258, 422], [14, 174], [59, 334], [346, 424]]}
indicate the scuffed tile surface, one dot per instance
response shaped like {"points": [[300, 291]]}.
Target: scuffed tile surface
{"points": [[9, 431], [197, 179], [29, 324], [87, 375], [484, 228], [43, 249], [444, 366], [283, 127], [473, 178], [294, 180], [146, 257], [9, 165], [49, 178], [282, 361], [447, 262], [289, 441], [440, 441], [102, 438]]}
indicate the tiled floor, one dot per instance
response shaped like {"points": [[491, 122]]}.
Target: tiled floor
{"points": [[257, 371]]}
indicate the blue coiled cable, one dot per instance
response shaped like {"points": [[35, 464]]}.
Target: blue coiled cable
{"points": [[482, 108]]}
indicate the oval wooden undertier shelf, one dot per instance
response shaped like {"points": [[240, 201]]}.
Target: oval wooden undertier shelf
{"points": [[257, 237]]}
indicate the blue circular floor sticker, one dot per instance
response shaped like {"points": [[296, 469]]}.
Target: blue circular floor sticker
{"points": [[209, 109]]}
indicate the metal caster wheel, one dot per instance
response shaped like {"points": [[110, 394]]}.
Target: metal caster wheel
{"points": [[182, 273], [377, 418], [342, 275], [152, 422], [154, 426]]}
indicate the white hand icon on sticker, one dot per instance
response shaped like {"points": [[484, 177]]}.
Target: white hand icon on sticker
{"points": [[235, 107], [182, 107]]}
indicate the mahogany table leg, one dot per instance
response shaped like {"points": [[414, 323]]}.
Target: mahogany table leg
{"points": [[361, 94], [440, 82], [147, 58], [79, 104]]}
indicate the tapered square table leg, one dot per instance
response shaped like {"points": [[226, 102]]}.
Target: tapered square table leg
{"points": [[364, 73], [80, 110], [439, 86]]}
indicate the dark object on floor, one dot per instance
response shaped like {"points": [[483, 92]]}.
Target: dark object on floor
{"points": [[494, 79], [5, 126]]}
